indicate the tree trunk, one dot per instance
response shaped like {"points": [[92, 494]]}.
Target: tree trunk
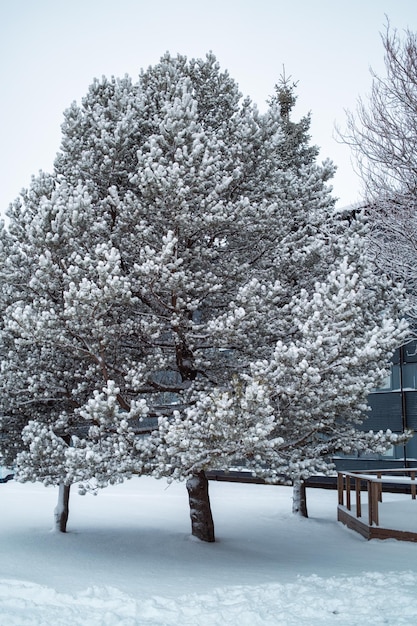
{"points": [[202, 525], [62, 508], [299, 498]]}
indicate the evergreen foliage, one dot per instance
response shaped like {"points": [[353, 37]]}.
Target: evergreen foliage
{"points": [[184, 263]]}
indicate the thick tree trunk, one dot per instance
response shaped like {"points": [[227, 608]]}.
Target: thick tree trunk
{"points": [[202, 525], [299, 498], [62, 508]]}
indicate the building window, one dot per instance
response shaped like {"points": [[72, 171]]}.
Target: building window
{"points": [[410, 376], [392, 381]]}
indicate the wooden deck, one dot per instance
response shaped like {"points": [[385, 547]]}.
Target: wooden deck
{"points": [[360, 497]]}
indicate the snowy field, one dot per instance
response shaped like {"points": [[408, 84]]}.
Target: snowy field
{"points": [[128, 559]]}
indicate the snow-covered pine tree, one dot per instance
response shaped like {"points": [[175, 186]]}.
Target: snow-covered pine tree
{"points": [[153, 271], [320, 375], [116, 263]]}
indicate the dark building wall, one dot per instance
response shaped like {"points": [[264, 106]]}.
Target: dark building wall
{"points": [[385, 412], [393, 407]]}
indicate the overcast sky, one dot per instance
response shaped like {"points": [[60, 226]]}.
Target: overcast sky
{"points": [[50, 50]]}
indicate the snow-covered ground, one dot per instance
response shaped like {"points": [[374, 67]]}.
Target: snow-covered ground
{"points": [[128, 559]]}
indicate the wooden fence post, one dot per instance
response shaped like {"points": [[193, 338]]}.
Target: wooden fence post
{"points": [[340, 487], [358, 497], [348, 503]]}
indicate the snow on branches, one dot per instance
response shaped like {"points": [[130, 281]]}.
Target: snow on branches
{"points": [[180, 294]]}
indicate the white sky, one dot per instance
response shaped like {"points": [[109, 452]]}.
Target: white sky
{"points": [[50, 50]]}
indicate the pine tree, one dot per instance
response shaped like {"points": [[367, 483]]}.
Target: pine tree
{"points": [[155, 275], [118, 260]]}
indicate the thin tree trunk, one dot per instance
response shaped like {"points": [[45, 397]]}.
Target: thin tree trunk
{"points": [[62, 508], [299, 498], [202, 525]]}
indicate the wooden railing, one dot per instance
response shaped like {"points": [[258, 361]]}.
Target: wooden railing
{"points": [[351, 485]]}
